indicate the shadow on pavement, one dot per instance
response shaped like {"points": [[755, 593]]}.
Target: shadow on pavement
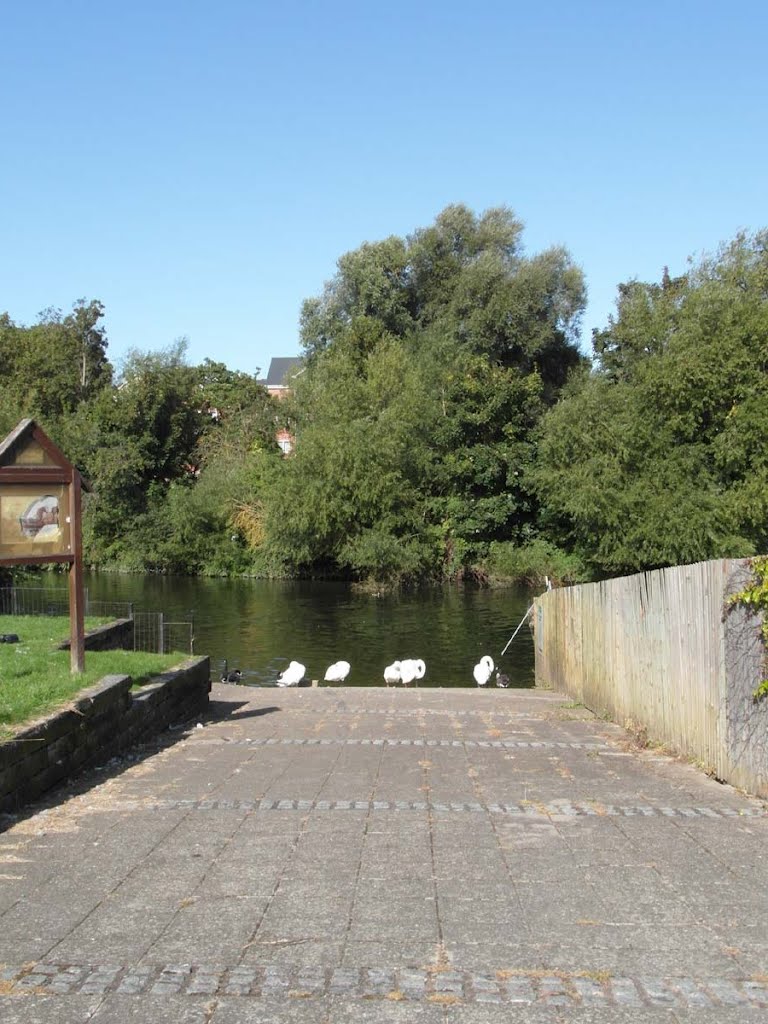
{"points": [[227, 709], [95, 774]]}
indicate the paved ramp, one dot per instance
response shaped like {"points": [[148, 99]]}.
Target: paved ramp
{"points": [[345, 854]]}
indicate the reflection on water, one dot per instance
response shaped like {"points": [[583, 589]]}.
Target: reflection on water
{"points": [[259, 626]]}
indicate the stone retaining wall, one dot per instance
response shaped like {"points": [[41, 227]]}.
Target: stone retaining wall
{"points": [[102, 721], [113, 636]]}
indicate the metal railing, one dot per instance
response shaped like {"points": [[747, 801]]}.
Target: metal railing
{"points": [[151, 630], [55, 601]]}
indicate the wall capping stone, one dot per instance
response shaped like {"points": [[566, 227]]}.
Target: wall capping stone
{"points": [[115, 635]]}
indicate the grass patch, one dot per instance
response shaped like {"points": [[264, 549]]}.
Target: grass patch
{"points": [[36, 679]]}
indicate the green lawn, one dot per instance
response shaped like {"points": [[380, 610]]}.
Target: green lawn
{"points": [[35, 678]]}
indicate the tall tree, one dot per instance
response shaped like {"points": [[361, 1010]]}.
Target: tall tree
{"points": [[56, 364], [429, 359], [660, 457], [138, 438], [647, 316]]}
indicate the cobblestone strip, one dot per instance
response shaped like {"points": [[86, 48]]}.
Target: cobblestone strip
{"points": [[135, 981], [389, 742], [204, 980], [559, 990], [416, 712], [100, 980], [556, 809]]}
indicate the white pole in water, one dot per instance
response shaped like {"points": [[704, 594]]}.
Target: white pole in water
{"points": [[517, 630]]}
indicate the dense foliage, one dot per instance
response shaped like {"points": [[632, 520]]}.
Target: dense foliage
{"points": [[429, 362], [54, 366], [446, 423], [168, 448], [660, 456]]}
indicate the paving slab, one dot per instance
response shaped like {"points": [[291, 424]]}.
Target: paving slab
{"points": [[329, 854], [34, 1009]]}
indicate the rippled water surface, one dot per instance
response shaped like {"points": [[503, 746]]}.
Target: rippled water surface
{"points": [[258, 626]]}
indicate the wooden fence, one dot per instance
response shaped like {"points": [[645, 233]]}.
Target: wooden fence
{"points": [[665, 652]]}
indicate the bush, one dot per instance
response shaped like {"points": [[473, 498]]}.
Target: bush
{"points": [[381, 557], [532, 562]]}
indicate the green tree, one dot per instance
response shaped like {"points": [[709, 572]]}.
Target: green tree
{"points": [[647, 317], [234, 454], [429, 360], [174, 453], [136, 440], [660, 456], [52, 367]]}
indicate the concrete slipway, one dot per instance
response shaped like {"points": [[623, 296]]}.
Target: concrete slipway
{"points": [[344, 854]]}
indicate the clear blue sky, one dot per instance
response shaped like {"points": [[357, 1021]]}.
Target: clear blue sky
{"points": [[199, 167]]}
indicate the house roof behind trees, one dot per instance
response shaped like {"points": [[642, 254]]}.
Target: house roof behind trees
{"points": [[282, 370]]}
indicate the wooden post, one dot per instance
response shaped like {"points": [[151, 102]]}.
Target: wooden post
{"points": [[76, 593]]}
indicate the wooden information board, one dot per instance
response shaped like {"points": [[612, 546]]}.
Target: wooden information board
{"points": [[40, 508]]}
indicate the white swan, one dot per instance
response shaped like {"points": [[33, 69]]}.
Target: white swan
{"points": [[482, 670], [293, 675], [411, 669], [392, 674], [337, 672]]}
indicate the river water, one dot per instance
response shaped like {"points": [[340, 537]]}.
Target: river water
{"points": [[259, 626]]}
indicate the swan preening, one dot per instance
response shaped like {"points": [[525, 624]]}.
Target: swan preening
{"points": [[292, 675], [392, 674], [482, 670], [405, 672], [337, 672], [411, 669]]}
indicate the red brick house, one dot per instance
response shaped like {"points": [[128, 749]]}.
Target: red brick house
{"points": [[282, 372]]}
